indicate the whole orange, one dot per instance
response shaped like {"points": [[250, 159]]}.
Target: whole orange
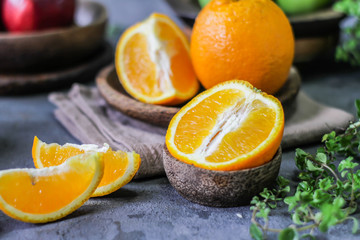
{"points": [[249, 40]]}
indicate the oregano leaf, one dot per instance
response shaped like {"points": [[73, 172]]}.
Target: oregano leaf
{"points": [[255, 232], [355, 226], [357, 105], [288, 234]]}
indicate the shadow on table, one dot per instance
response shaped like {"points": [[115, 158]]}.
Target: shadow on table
{"points": [[122, 193], [325, 65]]}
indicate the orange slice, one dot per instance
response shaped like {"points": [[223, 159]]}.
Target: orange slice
{"points": [[153, 63], [44, 195], [231, 126], [120, 167]]}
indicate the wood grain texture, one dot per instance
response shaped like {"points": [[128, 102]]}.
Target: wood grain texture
{"points": [[220, 188], [49, 49], [113, 92]]}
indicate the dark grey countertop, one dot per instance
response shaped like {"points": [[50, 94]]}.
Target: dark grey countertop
{"points": [[150, 209]]}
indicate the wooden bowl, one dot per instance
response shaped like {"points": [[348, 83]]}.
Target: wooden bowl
{"points": [[115, 95], [220, 188], [23, 52], [316, 34], [36, 82]]}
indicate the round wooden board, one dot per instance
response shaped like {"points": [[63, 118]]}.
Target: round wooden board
{"points": [[115, 95], [52, 80]]}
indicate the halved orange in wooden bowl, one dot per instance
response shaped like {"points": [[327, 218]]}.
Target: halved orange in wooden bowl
{"points": [[231, 126]]}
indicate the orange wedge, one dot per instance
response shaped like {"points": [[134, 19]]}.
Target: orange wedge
{"points": [[153, 63], [44, 195], [231, 126], [120, 167]]}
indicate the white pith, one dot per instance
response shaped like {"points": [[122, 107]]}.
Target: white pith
{"points": [[159, 56], [226, 122], [89, 147]]}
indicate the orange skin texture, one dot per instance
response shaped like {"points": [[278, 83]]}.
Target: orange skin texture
{"points": [[250, 40]]}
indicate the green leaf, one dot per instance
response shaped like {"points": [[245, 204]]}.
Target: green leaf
{"points": [[357, 105], [311, 167], [343, 173], [266, 193], [296, 218], [255, 199], [331, 214], [288, 234], [355, 226], [338, 202], [308, 236], [325, 183], [347, 164], [321, 157], [263, 213], [255, 232], [321, 197], [325, 138], [291, 201], [282, 182]]}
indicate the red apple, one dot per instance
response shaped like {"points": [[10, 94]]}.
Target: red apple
{"points": [[1, 21], [30, 15]]}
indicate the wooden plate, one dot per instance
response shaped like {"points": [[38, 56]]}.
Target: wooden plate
{"points": [[113, 92], [52, 80], [63, 47]]}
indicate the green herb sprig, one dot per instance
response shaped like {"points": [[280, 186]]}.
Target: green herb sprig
{"points": [[349, 49], [328, 193]]}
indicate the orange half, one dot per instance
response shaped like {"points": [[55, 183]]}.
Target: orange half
{"points": [[44, 195], [120, 167], [231, 126], [153, 63]]}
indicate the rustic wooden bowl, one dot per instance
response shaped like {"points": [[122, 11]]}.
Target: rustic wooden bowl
{"points": [[22, 52], [316, 34], [115, 95], [220, 188]]}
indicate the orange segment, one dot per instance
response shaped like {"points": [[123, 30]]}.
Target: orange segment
{"points": [[43, 195], [153, 63], [228, 127], [120, 167], [47, 155]]}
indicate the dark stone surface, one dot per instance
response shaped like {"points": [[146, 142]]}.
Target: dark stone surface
{"points": [[152, 209]]}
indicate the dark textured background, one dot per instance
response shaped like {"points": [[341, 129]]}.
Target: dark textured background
{"points": [[151, 209]]}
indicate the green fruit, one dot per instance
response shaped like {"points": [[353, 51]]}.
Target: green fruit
{"points": [[203, 2], [294, 7]]}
